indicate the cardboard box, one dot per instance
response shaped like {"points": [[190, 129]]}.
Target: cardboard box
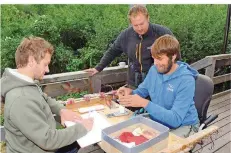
{"points": [[155, 144]]}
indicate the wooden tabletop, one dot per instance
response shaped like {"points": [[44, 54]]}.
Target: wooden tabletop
{"points": [[104, 112], [175, 143]]}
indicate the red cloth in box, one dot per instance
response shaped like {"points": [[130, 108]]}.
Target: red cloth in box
{"points": [[129, 137]]}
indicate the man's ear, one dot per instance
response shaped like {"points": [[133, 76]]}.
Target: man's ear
{"points": [[31, 61], [148, 18], [174, 58]]}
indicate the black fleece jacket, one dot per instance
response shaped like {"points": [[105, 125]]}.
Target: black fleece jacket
{"points": [[136, 47]]}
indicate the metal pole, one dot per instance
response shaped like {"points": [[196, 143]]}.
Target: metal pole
{"points": [[227, 26]]}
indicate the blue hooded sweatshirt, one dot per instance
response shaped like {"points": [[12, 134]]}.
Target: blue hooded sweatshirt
{"points": [[171, 96]]}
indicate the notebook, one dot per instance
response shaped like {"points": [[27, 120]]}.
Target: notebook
{"points": [[93, 136]]}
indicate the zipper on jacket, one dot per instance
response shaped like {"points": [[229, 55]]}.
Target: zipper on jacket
{"points": [[138, 53]]}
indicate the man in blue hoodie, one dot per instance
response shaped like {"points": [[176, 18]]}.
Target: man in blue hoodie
{"points": [[170, 85]]}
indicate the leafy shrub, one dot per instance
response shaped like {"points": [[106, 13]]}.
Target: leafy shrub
{"points": [[8, 48], [1, 119], [72, 95], [89, 30], [44, 26], [62, 56], [199, 28]]}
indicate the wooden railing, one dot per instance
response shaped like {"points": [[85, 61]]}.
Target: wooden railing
{"points": [[60, 84], [212, 63], [63, 83]]}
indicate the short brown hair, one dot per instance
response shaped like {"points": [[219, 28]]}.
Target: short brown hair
{"points": [[167, 45], [32, 46], [137, 9]]}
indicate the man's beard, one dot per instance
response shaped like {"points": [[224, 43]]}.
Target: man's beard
{"points": [[169, 66]]}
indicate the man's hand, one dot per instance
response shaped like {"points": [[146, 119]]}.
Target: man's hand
{"points": [[108, 101], [123, 91], [133, 101], [91, 71], [68, 115], [88, 123], [70, 101]]}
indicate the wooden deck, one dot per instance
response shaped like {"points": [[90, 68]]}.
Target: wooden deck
{"points": [[221, 139], [55, 85]]}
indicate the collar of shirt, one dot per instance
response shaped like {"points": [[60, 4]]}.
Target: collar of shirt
{"points": [[21, 76]]}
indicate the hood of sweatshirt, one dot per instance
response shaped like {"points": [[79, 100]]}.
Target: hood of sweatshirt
{"points": [[11, 79], [183, 69]]}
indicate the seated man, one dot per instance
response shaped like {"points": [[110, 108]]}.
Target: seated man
{"points": [[28, 113], [170, 85]]}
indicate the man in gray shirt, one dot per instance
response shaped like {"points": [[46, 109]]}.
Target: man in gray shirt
{"points": [[28, 112]]}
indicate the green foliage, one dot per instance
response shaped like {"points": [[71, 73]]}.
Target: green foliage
{"points": [[2, 114], [1, 119], [88, 58], [8, 48], [44, 26], [62, 56], [72, 95], [199, 28], [13, 22], [89, 30], [109, 25]]}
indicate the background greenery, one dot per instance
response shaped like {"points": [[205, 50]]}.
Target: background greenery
{"points": [[82, 33], [71, 95]]}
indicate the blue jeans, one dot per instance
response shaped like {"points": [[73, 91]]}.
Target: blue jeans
{"points": [[72, 148]]}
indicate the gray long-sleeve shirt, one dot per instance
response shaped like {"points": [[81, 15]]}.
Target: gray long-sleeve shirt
{"points": [[28, 118]]}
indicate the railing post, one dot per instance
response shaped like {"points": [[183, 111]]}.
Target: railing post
{"points": [[209, 71], [95, 84]]}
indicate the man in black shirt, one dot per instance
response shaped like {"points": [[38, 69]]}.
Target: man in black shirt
{"points": [[135, 42]]}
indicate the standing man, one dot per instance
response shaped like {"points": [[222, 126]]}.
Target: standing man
{"points": [[135, 42], [28, 112], [171, 87]]}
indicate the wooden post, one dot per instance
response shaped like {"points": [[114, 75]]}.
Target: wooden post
{"points": [[209, 71], [95, 84]]}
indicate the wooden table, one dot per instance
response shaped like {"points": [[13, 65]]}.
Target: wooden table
{"points": [[175, 144], [107, 110]]}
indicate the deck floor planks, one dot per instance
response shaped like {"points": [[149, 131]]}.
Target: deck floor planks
{"points": [[222, 139]]}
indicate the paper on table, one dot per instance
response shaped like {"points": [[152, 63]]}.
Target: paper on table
{"points": [[94, 135], [92, 108]]}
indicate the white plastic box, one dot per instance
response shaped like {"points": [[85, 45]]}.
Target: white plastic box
{"points": [[153, 145]]}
